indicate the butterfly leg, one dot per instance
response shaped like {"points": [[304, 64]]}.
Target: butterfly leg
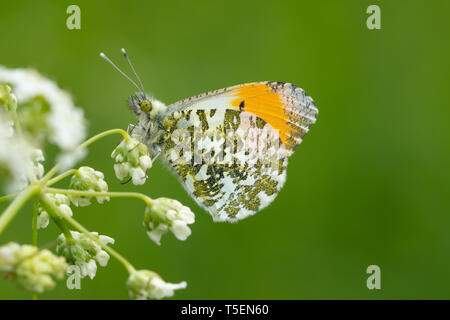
{"points": [[126, 181], [158, 148], [142, 138], [131, 128], [129, 131], [147, 130], [156, 157]]}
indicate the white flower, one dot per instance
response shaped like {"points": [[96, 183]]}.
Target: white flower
{"points": [[34, 269], [104, 239], [161, 289], [156, 233], [180, 229], [168, 214], [122, 170], [145, 284], [88, 179], [37, 157], [16, 159], [42, 220], [19, 160], [65, 122], [84, 252], [68, 126], [102, 258], [65, 209], [145, 161], [9, 256], [137, 176], [61, 201], [131, 159], [88, 269]]}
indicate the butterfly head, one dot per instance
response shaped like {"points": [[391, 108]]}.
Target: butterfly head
{"points": [[140, 103]]}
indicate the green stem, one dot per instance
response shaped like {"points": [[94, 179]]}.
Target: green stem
{"points": [[34, 227], [54, 211], [80, 228], [23, 196], [85, 144], [102, 135], [50, 174], [15, 206], [34, 234], [62, 176], [72, 192], [63, 227], [8, 197]]}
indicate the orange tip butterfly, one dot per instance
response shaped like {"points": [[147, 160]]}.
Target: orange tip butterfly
{"points": [[228, 147]]}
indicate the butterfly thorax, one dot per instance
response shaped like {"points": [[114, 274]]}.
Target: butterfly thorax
{"points": [[150, 127]]}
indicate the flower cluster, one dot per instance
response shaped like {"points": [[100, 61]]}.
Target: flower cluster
{"points": [[168, 214], [88, 179], [14, 164], [145, 284], [34, 269], [34, 111], [47, 113], [61, 201], [84, 252], [19, 161], [131, 159]]}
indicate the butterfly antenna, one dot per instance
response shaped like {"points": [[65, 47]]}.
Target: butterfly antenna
{"points": [[103, 56], [132, 68]]}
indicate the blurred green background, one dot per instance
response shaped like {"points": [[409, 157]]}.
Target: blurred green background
{"points": [[369, 185]]}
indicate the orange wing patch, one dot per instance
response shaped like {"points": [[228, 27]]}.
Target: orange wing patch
{"points": [[278, 105]]}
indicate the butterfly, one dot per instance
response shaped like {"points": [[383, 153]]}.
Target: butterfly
{"points": [[229, 147]]}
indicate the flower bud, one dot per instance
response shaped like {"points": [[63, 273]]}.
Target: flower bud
{"points": [[145, 284], [34, 269], [84, 252], [131, 159], [61, 201], [36, 158], [168, 214], [88, 179]]}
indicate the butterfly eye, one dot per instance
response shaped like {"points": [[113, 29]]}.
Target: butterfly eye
{"points": [[146, 106]]}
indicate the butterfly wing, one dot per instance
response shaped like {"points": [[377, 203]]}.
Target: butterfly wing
{"points": [[240, 138]]}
